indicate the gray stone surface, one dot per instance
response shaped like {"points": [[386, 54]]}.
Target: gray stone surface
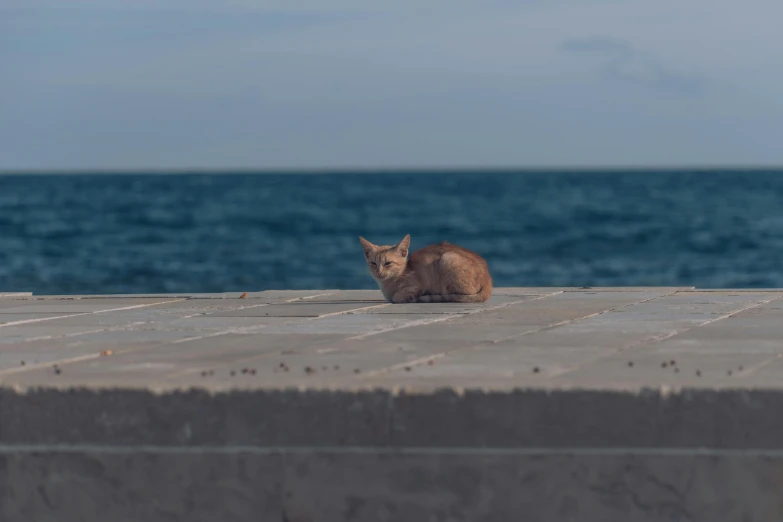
{"points": [[532, 487], [627, 404], [140, 486]]}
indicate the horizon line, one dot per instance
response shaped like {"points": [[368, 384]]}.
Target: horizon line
{"points": [[378, 170]]}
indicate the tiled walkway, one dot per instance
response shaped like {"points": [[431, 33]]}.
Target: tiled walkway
{"points": [[624, 338]]}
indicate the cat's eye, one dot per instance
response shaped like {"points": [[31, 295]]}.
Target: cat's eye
{"points": [[372, 263], [387, 263]]}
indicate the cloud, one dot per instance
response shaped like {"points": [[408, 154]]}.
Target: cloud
{"points": [[622, 62]]}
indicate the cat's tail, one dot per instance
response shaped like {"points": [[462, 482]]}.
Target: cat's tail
{"points": [[479, 297]]}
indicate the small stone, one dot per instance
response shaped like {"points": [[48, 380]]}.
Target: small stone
{"points": [[630, 364], [664, 364], [407, 368], [740, 368], [728, 373], [336, 366], [672, 362], [309, 371], [430, 362], [23, 363], [676, 370], [233, 373], [698, 373], [356, 370], [536, 370], [203, 374]]}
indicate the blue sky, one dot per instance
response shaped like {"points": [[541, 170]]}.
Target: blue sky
{"points": [[129, 84]]}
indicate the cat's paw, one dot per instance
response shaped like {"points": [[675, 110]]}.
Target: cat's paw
{"points": [[404, 298]]}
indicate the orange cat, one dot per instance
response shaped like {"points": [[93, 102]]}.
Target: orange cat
{"points": [[435, 274]]}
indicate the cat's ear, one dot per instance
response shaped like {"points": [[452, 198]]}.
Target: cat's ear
{"points": [[367, 246], [403, 246]]}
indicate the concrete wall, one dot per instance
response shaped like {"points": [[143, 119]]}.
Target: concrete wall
{"points": [[121, 455]]}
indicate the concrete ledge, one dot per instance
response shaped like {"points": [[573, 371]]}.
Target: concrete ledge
{"points": [[543, 404], [715, 419], [150, 484]]}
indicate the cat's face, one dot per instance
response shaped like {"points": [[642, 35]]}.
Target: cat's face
{"points": [[386, 262]]}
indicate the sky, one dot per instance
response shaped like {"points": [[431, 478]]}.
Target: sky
{"points": [[314, 84]]}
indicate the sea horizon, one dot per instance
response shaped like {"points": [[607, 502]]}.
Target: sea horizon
{"points": [[609, 169], [66, 233]]}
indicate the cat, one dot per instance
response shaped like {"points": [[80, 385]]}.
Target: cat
{"points": [[442, 273]]}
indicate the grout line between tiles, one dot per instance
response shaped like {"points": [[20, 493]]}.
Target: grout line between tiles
{"points": [[41, 319]]}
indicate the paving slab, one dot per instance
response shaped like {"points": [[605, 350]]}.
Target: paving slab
{"points": [[219, 362], [25, 306], [449, 308], [24, 318], [310, 308], [627, 404]]}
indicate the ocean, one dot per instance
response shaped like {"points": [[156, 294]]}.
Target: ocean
{"points": [[215, 232]]}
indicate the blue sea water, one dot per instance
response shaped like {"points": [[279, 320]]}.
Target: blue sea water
{"points": [[88, 234]]}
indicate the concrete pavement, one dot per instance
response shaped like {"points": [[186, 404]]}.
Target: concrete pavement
{"points": [[628, 404]]}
